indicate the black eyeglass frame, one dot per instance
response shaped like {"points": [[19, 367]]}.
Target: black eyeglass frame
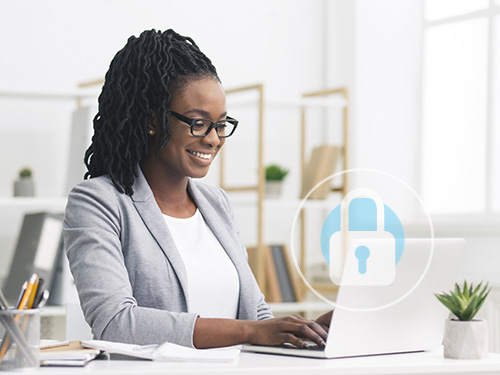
{"points": [[192, 122]]}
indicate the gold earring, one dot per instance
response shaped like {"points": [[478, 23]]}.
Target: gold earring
{"points": [[151, 132]]}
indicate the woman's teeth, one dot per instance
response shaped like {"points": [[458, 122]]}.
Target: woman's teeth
{"points": [[200, 155]]}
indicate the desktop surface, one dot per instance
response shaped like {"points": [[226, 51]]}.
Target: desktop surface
{"points": [[264, 364]]}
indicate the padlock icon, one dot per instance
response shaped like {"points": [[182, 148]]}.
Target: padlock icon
{"points": [[362, 257]]}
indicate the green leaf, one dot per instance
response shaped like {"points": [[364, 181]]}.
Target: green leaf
{"points": [[470, 311], [450, 303], [464, 302]]}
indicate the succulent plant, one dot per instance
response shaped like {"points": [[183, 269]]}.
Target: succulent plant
{"points": [[275, 173], [25, 172], [465, 302]]}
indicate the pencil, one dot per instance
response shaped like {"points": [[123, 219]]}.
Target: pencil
{"points": [[33, 293]]}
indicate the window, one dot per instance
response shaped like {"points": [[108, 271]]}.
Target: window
{"points": [[460, 165]]}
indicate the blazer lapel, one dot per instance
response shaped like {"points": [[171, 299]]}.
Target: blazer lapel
{"points": [[150, 213]]}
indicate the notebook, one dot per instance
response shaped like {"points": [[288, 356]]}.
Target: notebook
{"points": [[402, 317]]}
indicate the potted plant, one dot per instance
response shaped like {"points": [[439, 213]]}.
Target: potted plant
{"points": [[24, 185], [464, 336], [274, 180]]}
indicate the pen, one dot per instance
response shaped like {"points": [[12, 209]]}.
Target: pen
{"points": [[23, 290], [39, 292], [42, 300], [4, 305]]}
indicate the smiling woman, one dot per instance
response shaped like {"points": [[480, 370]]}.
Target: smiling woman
{"points": [[156, 255]]}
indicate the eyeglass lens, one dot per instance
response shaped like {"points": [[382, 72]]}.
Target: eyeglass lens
{"points": [[202, 128]]}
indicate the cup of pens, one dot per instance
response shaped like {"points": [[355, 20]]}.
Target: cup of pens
{"points": [[20, 335], [20, 326]]}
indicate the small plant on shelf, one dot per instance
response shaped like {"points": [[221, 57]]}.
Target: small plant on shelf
{"points": [[465, 302], [24, 185], [465, 337], [274, 180], [275, 173]]}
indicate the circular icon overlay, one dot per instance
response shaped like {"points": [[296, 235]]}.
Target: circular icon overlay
{"points": [[364, 250]]}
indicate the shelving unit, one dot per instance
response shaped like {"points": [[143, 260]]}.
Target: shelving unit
{"points": [[334, 98], [343, 189], [12, 209]]}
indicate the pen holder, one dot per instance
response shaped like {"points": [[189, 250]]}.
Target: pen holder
{"points": [[20, 339]]}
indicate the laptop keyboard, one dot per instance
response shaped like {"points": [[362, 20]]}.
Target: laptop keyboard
{"points": [[312, 346]]}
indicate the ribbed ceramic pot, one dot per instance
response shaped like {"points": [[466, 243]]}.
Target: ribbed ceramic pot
{"points": [[465, 339], [24, 187], [273, 189]]}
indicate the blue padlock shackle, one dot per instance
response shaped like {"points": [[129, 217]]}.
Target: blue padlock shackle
{"points": [[361, 193]]}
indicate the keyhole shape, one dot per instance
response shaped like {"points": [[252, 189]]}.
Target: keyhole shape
{"points": [[362, 253]]}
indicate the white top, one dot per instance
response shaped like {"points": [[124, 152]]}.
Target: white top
{"points": [[213, 282]]}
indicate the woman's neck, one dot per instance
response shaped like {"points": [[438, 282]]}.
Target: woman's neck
{"points": [[171, 195]]}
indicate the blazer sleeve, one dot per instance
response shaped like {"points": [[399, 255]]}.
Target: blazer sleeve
{"points": [[92, 230]]}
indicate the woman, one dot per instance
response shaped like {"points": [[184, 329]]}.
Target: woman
{"points": [[156, 256]]}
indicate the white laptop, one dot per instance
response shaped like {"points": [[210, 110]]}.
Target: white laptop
{"points": [[404, 316]]}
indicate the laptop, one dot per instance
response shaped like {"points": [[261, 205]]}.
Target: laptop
{"points": [[402, 317]]}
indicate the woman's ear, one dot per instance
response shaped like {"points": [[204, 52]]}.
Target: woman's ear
{"points": [[152, 124]]}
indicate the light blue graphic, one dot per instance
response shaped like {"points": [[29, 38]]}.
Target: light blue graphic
{"points": [[362, 217], [362, 254]]}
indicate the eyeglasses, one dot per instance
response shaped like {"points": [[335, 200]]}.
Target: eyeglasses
{"points": [[200, 127]]}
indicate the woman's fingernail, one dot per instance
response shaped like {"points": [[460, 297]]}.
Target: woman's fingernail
{"points": [[305, 345]]}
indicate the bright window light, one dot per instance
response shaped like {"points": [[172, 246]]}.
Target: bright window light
{"points": [[438, 9], [454, 144], [495, 130]]}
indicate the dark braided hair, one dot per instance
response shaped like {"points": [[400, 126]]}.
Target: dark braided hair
{"points": [[141, 79]]}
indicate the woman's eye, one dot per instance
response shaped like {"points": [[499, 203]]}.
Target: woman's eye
{"points": [[199, 124]]}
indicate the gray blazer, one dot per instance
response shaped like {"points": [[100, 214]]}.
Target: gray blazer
{"points": [[129, 275]]}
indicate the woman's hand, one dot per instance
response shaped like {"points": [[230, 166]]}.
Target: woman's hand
{"points": [[325, 320], [291, 329]]}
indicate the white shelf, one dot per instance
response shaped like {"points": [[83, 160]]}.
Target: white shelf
{"points": [[48, 94], [282, 203], [33, 202], [332, 102], [284, 307], [54, 311]]}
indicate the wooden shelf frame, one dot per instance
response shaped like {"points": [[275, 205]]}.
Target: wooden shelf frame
{"points": [[260, 187], [336, 97], [343, 189]]}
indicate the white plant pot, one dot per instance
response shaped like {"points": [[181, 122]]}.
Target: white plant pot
{"points": [[24, 187], [465, 339], [273, 189]]}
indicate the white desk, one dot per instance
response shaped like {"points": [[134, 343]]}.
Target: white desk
{"points": [[262, 364]]}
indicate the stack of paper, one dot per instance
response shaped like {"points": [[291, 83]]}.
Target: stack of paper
{"points": [[67, 353], [166, 351]]}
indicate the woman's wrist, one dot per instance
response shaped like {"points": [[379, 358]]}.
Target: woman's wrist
{"points": [[248, 330]]}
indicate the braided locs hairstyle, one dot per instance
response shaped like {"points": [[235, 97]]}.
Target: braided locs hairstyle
{"points": [[141, 79]]}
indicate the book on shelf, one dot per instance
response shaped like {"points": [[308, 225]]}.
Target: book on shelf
{"points": [[280, 281], [321, 165], [284, 273], [38, 250]]}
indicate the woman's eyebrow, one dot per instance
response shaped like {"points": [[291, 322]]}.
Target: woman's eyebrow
{"points": [[203, 113]]}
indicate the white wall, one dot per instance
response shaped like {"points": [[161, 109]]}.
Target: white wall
{"points": [[55, 44]]}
